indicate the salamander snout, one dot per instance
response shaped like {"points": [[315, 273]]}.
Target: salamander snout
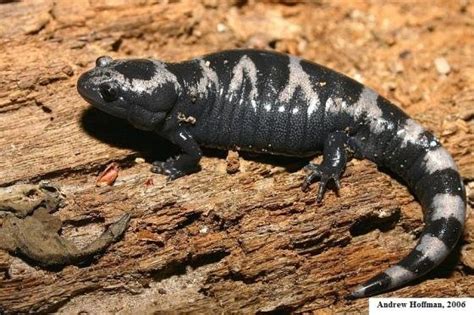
{"points": [[101, 91]]}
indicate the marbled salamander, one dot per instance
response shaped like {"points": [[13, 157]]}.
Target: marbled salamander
{"points": [[269, 102]]}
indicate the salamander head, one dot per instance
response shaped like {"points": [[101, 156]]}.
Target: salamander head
{"points": [[140, 90]]}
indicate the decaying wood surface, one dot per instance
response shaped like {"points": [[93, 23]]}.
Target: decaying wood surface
{"points": [[246, 242]]}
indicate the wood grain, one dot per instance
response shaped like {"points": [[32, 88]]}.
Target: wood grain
{"points": [[247, 242]]}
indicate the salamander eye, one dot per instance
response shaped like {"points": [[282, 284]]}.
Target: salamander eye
{"points": [[103, 61], [108, 92]]}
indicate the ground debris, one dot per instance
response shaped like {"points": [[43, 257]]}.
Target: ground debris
{"points": [[108, 176], [442, 65], [36, 236]]}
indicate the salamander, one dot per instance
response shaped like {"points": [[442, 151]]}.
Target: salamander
{"points": [[269, 102]]}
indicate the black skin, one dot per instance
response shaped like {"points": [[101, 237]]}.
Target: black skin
{"points": [[335, 158], [267, 102], [208, 119], [185, 163]]}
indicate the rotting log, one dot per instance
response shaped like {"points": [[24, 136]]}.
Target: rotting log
{"points": [[246, 242]]}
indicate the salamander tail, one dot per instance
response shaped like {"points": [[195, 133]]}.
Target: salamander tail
{"points": [[433, 177]]}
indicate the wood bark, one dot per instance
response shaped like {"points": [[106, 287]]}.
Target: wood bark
{"points": [[246, 242]]}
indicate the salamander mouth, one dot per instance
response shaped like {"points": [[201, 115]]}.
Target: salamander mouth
{"points": [[108, 108], [85, 95]]}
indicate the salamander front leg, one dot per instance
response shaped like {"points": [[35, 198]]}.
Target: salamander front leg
{"points": [[185, 163], [334, 162]]}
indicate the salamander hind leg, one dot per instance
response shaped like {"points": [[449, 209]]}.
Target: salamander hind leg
{"points": [[335, 155]]}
